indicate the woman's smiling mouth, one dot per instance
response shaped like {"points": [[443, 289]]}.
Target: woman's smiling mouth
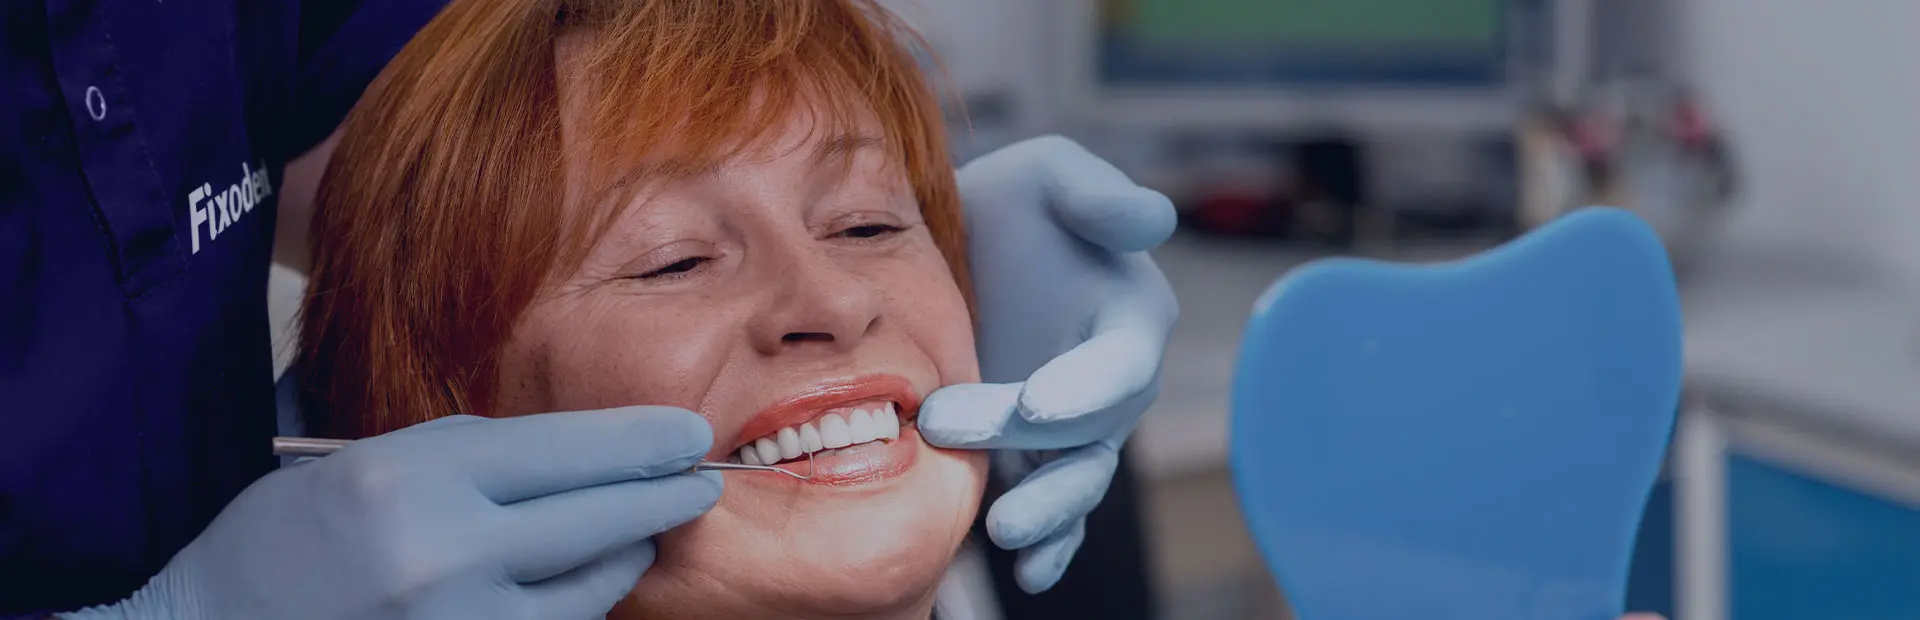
{"points": [[856, 431], [840, 428]]}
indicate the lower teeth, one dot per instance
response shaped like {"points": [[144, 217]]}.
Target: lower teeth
{"points": [[830, 452]]}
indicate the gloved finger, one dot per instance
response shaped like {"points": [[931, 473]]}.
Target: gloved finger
{"points": [[592, 590], [985, 416], [555, 534], [512, 459], [1097, 202], [1041, 566], [1052, 497], [1117, 364], [968, 415], [1113, 368]]}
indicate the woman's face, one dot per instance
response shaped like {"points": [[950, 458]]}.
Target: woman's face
{"points": [[795, 298]]}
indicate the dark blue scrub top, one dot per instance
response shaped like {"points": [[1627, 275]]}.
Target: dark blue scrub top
{"points": [[141, 146]]}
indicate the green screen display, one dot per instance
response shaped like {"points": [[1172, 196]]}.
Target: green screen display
{"points": [[1309, 23]]}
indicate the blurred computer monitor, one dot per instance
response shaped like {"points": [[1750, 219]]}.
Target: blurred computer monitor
{"points": [[1364, 64]]}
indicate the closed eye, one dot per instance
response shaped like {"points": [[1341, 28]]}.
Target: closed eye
{"points": [[683, 266], [869, 231]]}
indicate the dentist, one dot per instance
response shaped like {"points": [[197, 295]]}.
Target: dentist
{"points": [[144, 171]]}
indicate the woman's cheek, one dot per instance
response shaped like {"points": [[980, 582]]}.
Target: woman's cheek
{"points": [[959, 361], [640, 356], [925, 297]]}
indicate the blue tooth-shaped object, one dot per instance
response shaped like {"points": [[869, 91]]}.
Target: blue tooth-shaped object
{"points": [[1470, 440]]}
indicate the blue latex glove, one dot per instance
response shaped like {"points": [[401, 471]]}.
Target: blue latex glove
{"points": [[547, 516], [1074, 317]]}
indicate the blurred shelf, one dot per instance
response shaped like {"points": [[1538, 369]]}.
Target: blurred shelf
{"points": [[1369, 112], [1823, 344]]}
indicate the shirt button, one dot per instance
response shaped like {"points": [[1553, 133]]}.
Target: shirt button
{"points": [[96, 103]]}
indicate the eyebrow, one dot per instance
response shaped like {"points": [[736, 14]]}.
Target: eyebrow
{"points": [[844, 145]]}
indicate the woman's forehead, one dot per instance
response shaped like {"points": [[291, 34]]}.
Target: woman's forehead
{"points": [[845, 161], [758, 126], [848, 164], [802, 141]]}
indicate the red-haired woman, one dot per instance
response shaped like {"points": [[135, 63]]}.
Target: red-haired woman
{"points": [[633, 210], [743, 210]]}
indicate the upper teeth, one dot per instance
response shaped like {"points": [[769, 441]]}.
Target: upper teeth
{"points": [[832, 431]]}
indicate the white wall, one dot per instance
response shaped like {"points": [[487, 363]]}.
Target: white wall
{"points": [[1823, 101], [994, 45]]}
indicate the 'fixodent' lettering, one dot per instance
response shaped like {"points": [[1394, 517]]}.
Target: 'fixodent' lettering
{"points": [[220, 211]]}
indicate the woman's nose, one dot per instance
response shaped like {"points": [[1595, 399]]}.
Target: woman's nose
{"points": [[817, 306]]}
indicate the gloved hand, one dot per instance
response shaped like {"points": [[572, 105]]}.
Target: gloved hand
{"points": [[1073, 319], [546, 516]]}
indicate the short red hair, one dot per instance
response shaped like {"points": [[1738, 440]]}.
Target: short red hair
{"points": [[439, 218]]}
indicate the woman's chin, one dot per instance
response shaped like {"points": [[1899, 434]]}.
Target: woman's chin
{"points": [[860, 554], [775, 549], [865, 581]]}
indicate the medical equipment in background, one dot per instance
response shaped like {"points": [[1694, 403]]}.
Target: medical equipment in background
{"points": [[1475, 439], [1299, 119], [1420, 89], [1266, 67], [315, 447], [1642, 145]]}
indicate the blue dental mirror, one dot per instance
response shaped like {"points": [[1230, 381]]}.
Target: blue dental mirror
{"points": [[1470, 440]]}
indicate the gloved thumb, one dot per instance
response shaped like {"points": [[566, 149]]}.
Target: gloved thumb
{"points": [[1133, 219], [1098, 203], [1082, 193]]}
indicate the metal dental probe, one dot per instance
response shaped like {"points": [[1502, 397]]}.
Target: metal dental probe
{"points": [[314, 447]]}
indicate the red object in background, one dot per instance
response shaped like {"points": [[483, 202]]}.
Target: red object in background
{"points": [[1592, 137], [1233, 213], [1690, 125]]}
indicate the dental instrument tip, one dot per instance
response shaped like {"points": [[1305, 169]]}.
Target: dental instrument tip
{"points": [[719, 466]]}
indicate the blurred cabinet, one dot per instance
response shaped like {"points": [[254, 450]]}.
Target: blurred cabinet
{"points": [[1803, 547], [1796, 467], [1786, 525]]}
